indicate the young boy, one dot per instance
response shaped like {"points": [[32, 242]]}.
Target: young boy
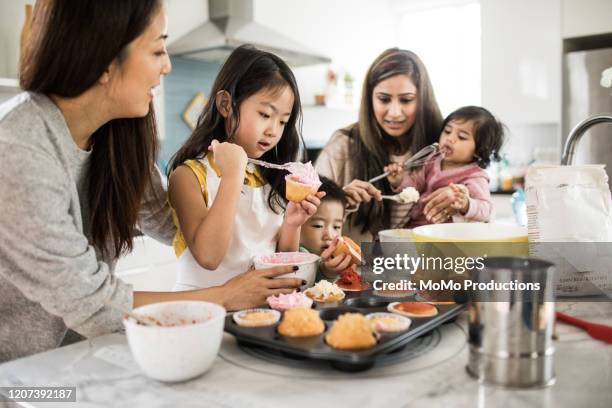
{"points": [[319, 233]]}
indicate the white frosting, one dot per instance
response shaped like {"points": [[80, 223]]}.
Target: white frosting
{"points": [[324, 289], [409, 195]]}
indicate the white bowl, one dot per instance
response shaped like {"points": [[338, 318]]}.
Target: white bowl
{"points": [[397, 241], [307, 264], [470, 232], [179, 349], [396, 235]]}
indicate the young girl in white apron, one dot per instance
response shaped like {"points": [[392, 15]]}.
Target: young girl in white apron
{"points": [[224, 221]]}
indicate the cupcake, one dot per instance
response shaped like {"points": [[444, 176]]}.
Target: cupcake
{"points": [[413, 309], [346, 246], [351, 331], [325, 293], [301, 322], [293, 300], [302, 182], [388, 322], [256, 317]]}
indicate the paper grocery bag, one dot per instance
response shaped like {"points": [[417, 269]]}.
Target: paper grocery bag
{"points": [[569, 212]]}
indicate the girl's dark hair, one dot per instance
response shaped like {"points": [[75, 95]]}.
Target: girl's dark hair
{"points": [[71, 44], [371, 145], [247, 71], [488, 132], [333, 192]]}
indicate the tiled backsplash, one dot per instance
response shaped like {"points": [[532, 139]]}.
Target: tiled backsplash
{"points": [[188, 77]]}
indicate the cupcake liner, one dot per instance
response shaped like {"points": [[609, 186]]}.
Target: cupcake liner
{"points": [[403, 323], [391, 308], [239, 319], [334, 302]]}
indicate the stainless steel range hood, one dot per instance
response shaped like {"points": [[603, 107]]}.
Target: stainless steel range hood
{"points": [[231, 25]]}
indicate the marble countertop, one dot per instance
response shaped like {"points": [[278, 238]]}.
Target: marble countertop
{"points": [[430, 374]]}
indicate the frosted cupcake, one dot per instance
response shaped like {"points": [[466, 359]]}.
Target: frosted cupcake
{"points": [[293, 300], [302, 182], [325, 293]]}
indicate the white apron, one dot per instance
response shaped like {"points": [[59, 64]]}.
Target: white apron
{"points": [[256, 231]]}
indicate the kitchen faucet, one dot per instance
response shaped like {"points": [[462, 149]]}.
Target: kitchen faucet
{"points": [[576, 134]]}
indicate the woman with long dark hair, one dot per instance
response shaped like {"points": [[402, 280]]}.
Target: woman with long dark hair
{"points": [[77, 154], [398, 116]]}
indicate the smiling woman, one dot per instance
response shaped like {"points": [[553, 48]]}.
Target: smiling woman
{"points": [[398, 117], [77, 154]]}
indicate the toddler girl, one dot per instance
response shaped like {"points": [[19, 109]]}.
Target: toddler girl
{"points": [[455, 182]]}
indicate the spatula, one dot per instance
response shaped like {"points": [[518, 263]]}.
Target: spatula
{"points": [[595, 330]]}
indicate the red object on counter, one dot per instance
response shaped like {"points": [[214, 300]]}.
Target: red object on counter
{"points": [[350, 279], [595, 330]]}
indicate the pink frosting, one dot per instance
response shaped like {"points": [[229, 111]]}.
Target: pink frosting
{"points": [[304, 173], [290, 301], [285, 258]]}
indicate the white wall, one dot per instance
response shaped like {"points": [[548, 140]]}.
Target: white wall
{"points": [[585, 17], [352, 32], [184, 16], [521, 71], [521, 60], [12, 16]]}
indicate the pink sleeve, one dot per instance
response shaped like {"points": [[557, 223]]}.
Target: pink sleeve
{"points": [[414, 179], [480, 206]]}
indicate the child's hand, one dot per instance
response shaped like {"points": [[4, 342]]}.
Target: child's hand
{"points": [[297, 213], [461, 202], [231, 159], [396, 174], [333, 265]]}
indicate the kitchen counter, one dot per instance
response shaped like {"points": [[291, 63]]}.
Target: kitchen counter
{"points": [[431, 373]]}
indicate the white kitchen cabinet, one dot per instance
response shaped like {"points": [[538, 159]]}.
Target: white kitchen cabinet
{"points": [[151, 266], [9, 87], [521, 60], [580, 18]]}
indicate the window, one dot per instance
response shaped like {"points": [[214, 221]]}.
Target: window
{"points": [[447, 38]]}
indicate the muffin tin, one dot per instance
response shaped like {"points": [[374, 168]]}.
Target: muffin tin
{"points": [[317, 349]]}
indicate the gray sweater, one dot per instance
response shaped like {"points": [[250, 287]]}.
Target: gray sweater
{"points": [[51, 278]]}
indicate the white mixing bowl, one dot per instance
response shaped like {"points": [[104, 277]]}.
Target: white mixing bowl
{"points": [[307, 264], [186, 344]]}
